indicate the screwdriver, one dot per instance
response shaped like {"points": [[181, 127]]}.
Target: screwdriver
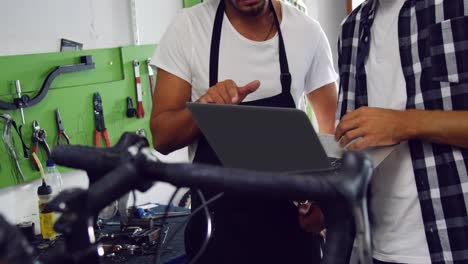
{"points": [[18, 92]]}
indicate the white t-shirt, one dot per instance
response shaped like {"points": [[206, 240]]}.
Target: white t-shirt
{"points": [[398, 229], [184, 51]]}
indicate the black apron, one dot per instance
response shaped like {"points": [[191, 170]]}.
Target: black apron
{"points": [[249, 229]]}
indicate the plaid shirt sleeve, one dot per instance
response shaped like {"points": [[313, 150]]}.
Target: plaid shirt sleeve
{"points": [[433, 39], [351, 40]]}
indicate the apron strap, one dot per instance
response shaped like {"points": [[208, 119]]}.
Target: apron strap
{"points": [[215, 41], [283, 58]]}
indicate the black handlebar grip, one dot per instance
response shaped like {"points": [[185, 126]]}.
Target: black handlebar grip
{"points": [[98, 161], [278, 185], [110, 188], [90, 159]]}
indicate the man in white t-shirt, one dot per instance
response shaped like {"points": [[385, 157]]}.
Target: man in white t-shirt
{"points": [[403, 81], [252, 52]]}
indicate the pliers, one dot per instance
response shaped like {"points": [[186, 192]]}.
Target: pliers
{"points": [[99, 122], [39, 137], [61, 132], [8, 139]]}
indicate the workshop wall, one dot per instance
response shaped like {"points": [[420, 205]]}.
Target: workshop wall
{"points": [[330, 14], [37, 27], [153, 17]]}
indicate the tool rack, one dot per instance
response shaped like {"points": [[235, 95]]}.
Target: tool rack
{"points": [[72, 93]]}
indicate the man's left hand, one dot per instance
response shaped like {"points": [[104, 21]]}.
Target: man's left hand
{"points": [[371, 127]]}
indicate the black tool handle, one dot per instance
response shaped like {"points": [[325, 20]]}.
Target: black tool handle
{"points": [[131, 111], [91, 159], [97, 162]]}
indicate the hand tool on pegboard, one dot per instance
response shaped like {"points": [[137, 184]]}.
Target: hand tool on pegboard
{"points": [[61, 131], [18, 92], [99, 122], [39, 139], [140, 110], [150, 76], [131, 111], [141, 132], [8, 139], [23, 101], [11, 122]]}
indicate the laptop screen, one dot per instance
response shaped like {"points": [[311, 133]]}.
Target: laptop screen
{"points": [[261, 138]]}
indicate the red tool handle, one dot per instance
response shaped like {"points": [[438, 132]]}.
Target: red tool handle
{"points": [[140, 110], [97, 138], [151, 82], [106, 138], [35, 162]]}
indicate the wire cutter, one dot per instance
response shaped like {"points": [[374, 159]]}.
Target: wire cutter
{"points": [[99, 122], [39, 137], [61, 132]]}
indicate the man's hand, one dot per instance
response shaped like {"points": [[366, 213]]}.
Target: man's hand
{"points": [[374, 127], [227, 92], [311, 217]]}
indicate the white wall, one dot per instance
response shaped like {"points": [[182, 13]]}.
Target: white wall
{"points": [[30, 26], [154, 16], [330, 14]]}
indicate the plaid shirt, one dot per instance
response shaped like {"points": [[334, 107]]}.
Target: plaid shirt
{"points": [[433, 40]]}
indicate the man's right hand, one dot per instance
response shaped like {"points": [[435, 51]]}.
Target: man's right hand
{"points": [[227, 92]]}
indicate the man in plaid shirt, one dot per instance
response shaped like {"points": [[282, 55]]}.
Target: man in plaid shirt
{"points": [[404, 80]]}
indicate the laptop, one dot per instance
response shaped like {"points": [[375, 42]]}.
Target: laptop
{"points": [[268, 139]]}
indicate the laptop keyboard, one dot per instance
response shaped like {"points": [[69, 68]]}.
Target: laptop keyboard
{"points": [[335, 163]]}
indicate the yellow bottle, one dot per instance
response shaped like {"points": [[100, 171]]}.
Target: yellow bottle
{"points": [[46, 220]]}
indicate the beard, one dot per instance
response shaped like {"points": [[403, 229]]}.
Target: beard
{"points": [[253, 9]]}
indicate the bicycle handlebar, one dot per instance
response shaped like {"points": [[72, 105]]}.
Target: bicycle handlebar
{"points": [[341, 193]]}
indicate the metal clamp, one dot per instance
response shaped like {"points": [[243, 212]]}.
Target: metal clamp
{"points": [[39, 138], [24, 101]]}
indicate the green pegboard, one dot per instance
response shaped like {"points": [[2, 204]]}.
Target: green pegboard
{"points": [[190, 3], [72, 94]]}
